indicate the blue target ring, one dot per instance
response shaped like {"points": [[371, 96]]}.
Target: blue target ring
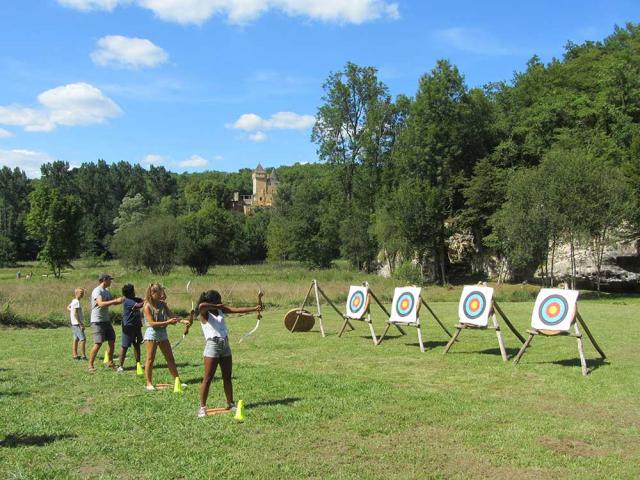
{"points": [[474, 305], [356, 302], [553, 310], [405, 304]]}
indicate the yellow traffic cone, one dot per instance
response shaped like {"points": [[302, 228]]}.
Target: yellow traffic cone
{"points": [[240, 411], [177, 388], [139, 370], [106, 357]]}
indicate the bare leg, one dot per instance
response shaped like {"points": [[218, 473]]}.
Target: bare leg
{"points": [[210, 366], [74, 347], [136, 349], [226, 364], [92, 355], [110, 348], [165, 348], [123, 355], [82, 349], [148, 364]]}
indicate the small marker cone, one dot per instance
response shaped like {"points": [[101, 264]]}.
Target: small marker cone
{"points": [[240, 411], [178, 386], [106, 358], [139, 370]]}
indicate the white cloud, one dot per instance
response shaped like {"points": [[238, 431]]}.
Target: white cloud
{"points": [[27, 160], [243, 11], [73, 104], [258, 136], [472, 40], [218, 157], [193, 161], [125, 52], [153, 159], [5, 133], [250, 122]]}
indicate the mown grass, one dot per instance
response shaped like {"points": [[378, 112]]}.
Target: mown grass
{"points": [[326, 407]]}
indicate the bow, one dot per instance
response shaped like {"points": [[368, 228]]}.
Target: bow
{"points": [[258, 316], [187, 323]]}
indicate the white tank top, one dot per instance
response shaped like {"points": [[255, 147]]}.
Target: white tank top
{"points": [[215, 326]]}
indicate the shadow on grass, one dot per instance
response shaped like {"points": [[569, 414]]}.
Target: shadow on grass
{"points": [[496, 351], [268, 403], [428, 344], [20, 440], [592, 363], [179, 365], [198, 380], [13, 394]]}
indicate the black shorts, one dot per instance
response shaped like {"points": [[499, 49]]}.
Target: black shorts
{"points": [[131, 335]]}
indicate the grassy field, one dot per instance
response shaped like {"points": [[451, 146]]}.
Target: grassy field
{"points": [[323, 407]]}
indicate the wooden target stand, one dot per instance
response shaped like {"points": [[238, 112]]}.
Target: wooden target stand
{"points": [[574, 319], [394, 320], [365, 315], [301, 320], [483, 323]]}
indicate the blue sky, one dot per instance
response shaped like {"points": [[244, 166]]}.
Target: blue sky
{"points": [[200, 85]]}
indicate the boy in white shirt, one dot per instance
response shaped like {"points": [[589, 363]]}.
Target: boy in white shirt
{"points": [[77, 325]]}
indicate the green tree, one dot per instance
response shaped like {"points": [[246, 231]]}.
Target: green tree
{"points": [[53, 221]]}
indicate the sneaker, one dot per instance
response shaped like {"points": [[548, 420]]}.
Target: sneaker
{"points": [[77, 358], [232, 407], [150, 388], [83, 358], [120, 370], [202, 412]]}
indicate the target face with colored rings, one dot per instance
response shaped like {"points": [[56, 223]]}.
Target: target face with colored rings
{"points": [[356, 302], [405, 304], [474, 305], [553, 310]]}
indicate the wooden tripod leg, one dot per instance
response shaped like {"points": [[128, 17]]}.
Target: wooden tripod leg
{"points": [[436, 317], [315, 286], [333, 306], [373, 333], [344, 325], [293, 329], [452, 340], [400, 329], [588, 332], [583, 361], [524, 347], [420, 339], [503, 352], [508, 322], [386, 329]]}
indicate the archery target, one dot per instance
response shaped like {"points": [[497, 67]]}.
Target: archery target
{"points": [[554, 309], [475, 305], [406, 305], [357, 302]]}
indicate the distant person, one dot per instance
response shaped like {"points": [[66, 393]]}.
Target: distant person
{"points": [[101, 328], [77, 325], [131, 325], [18, 275], [157, 318], [217, 350]]}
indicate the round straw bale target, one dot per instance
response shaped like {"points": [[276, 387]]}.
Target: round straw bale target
{"points": [[305, 323]]}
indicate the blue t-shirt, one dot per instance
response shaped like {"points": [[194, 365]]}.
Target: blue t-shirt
{"points": [[130, 314]]}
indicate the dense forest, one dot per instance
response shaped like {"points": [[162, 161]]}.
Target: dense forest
{"points": [[452, 181]]}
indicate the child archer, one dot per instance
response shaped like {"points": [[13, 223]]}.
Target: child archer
{"points": [[77, 325], [131, 325], [217, 350]]}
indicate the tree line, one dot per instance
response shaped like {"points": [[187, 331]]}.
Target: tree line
{"points": [[453, 180]]}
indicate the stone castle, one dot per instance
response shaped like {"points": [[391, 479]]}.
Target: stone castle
{"points": [[264, 186]]}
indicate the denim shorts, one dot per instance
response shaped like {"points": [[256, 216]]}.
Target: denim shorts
{"points": [[217, 347], [78, 333], [155, 334]]}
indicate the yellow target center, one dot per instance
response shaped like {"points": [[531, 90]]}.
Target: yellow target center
{"points": [[356, 301], [553, 310], [474, 305], [404, 304]]}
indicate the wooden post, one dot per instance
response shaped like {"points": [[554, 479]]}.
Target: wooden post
{"points": [[315, 285], [386, 329], [524, 347], [332, 305], [506, 320], [435, 316], [302, 308], [373, 295], [503, 352], [586, 330], [420, 338], [583, 361], [453, 339], [373, 333]]}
